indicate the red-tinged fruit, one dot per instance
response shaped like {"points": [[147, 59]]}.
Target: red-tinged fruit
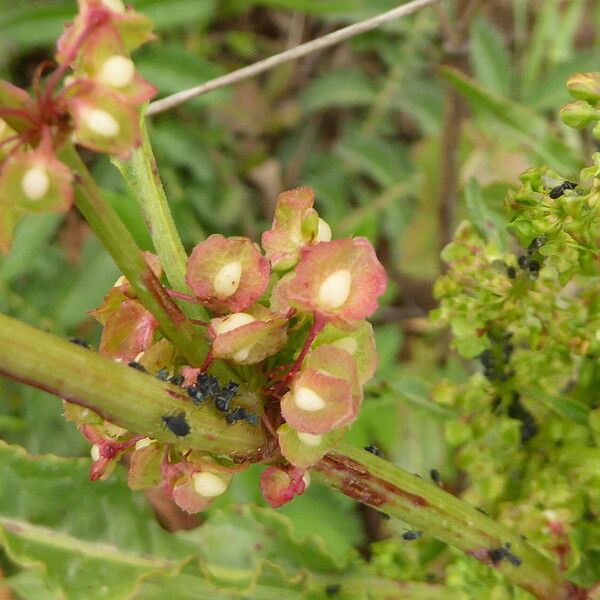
{"points": [[340, 280], [295, 225], [325, 394], [248, 338], [104, 122], [358, 340], [279, 485], [304, 450], [128, 331], [36, 182], [145, 465], [227, 274]]}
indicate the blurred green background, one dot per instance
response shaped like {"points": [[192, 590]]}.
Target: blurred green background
{"points": [[367, 125]]}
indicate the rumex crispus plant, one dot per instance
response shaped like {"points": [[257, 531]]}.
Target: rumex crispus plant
{"points": [[237, 355]]}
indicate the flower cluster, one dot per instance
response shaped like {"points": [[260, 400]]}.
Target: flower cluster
{"points": [[293, 319], [91, 98]]}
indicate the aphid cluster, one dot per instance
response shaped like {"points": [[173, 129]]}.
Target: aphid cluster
{"points": [[207, 386], [496, 360], [79, 342]]}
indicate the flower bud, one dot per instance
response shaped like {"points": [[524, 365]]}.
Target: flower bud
{"points": [[585, 86], [579, 114]]}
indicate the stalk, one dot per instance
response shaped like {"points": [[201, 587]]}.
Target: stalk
{"points": [[118, 393], [141, 175], [428, 508], [120, 244]]}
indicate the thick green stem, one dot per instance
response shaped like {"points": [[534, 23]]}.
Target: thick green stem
{"points": [[141, 175], [120, 394], [433, 511], [120, 244]]}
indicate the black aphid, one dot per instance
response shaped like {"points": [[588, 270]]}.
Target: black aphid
{"points": [[224, 397], [177, 424], [497, 554], [195, 394], [481, 510], [207, 384], [177, 379], [435, 476], [333, 589], [559, 190], [534, 266], [241, 414], [80, 342], [137, 366], [163, 374], [374, 450], [385, 516], [411, 535], [515, 560], [529, 426], [511, 272], [537, 243], [523, 261]]}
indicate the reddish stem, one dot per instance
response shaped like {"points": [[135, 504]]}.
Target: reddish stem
{"points": [[318, 323], [183, 296], [207, 362]]}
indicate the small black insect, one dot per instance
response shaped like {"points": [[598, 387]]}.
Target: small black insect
{"points": [[534, 266], [514, 560], [497, 554], [241, 414], [385, 516], [411, 535], [177, 379], [80, 342], [559, 190], [536, 244], [137, 366], [436, 477], [163, 374], [207, 384], [481, 510], [224, 397], [374, 450], [511, 272], [523, 261], [177, 424], [195, 394], [333, 589]]}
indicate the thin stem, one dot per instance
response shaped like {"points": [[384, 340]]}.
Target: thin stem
{"points": [[118, 393], [142, 177], [435, 512], [302, 50], [120, 244]]}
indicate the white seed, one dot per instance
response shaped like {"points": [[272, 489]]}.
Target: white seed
{"points": [[306, 479], [95, 452], [227, 280], [101, 122], [242, 355], [35, 183], [334, 291], [231, 322], [208, 485], [323, 232], [143, 443], [309, 439], [117, 71], [114, 5], [307, 399], [349, 344]]}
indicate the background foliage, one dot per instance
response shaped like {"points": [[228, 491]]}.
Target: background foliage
{"points": [[362, 123]]}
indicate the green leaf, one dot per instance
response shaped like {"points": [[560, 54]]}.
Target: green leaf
{"points": [[562, 405], [490, 223], [490, 60], [525, 125], [174, 13], [339, 89]]}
